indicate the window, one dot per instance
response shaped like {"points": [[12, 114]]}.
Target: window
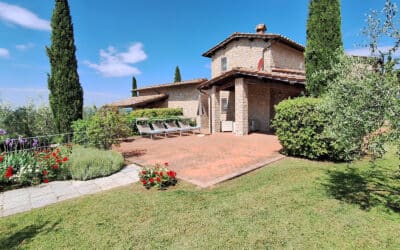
{"points": [[223, 64], [224, 105]]}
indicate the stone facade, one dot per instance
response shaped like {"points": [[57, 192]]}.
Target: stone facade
{"points": [[241, 107], [246, 53], [185, 97]]}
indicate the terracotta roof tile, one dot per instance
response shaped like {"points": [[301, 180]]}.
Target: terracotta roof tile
{"points": [[268, 36], [173, 84], [138, 101], [286, 77]]}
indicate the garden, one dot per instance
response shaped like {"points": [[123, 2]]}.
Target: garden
{"points": [[28, 157]]}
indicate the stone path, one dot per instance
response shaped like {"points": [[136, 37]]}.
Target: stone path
{"points": [[25, 199]]}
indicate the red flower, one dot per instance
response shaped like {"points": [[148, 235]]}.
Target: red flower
{"points": [[47, 156], [58, 161], [45, 172], [144, 182], [158, 179], [151, 180], [166, 164], [55, 166], [46, 180], [1, 158], [171, 174], [161, 173], [9, 172], [65, 159], [144, 172], [54, 154]]}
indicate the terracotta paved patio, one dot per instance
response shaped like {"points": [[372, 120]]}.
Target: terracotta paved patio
{"points": [[205, 160]]}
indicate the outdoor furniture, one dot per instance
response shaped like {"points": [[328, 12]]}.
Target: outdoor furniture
{"points": [[183, 124], [145, 129], [159, 125], [172, 125]]}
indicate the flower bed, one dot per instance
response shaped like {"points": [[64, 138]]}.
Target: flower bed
{"points": [[32, 167], [158, 176]]}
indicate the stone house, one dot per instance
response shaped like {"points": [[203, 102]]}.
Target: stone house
{"points": [[250, 73]]}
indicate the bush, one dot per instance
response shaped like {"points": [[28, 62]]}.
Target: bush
{"points": [[90, 163], [33, 167], [300, 126], [157, 176], [102, 129]]}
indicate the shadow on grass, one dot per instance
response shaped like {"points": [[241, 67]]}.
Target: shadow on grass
{"points": [[365, 186], [24, 235]]}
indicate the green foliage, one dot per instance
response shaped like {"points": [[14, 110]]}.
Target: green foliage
{"points": [[361, 100], [90, 163], [66, 94], [152, 114], [324, 37], [300, 126], [27, 121], [177, 77], [156, 113], [101, 130], [134, 86]]}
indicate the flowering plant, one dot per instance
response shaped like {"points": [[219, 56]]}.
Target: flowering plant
{"points": [[32, 168], [158, 176]]}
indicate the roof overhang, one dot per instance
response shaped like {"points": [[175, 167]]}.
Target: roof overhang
{"points": [[296, 79], [251, 36], [138, 101], [173, 85]]}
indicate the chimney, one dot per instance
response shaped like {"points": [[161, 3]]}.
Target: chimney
{"points": [[261, 28]]}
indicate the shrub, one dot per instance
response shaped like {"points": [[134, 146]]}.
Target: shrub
{"points": [[90, 163], [300, 126], [157, 176], [102, 129], [33, 167]]}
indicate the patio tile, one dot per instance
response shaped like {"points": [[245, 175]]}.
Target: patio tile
{"points": [[40, 190], [16, 210], [207, 160], [88, 188]]}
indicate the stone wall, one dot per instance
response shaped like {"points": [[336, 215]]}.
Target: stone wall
{"points": [[283, 56], [241, 53], [246, 53], [185, 97], [259, 106]]}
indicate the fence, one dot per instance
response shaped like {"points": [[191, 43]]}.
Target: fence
{"points": [[34, 143]]}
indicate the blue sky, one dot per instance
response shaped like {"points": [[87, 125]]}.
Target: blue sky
{"points": [[145, 38]]}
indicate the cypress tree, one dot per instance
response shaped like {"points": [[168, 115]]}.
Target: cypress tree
{"points": [[324, 39], [66, 94], [177, 77], [134, 86]]}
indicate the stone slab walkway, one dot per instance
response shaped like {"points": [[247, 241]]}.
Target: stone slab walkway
{"points": [[25, 199]]}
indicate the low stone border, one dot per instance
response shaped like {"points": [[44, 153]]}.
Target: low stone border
{"points": [[25, 199]]}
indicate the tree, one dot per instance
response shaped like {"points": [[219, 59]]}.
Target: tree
{"points": [[66, 94], [177, 77], [364, 95], [324, 38], [134, 86]]}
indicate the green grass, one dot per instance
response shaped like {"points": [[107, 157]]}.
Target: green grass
{"points": [[293, 203], [90, 163]]}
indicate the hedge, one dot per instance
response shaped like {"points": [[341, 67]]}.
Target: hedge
{"points": [[300, 125]]}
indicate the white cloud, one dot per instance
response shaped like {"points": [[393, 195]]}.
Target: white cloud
{"points": [[367, 52], [118, 64], [23, 17], [24, 47], [4, 53]]}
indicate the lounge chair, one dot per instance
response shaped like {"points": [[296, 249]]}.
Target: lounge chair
{"points": [[187, 126], [159, 125], [145, 129], [172, 125]]}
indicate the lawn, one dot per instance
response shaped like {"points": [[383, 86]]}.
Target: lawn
{"points": [[293, 203]]}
